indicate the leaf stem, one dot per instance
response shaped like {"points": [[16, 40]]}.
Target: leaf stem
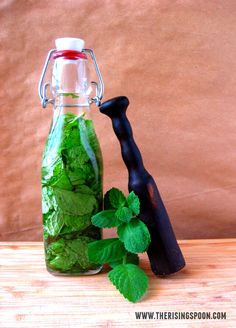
{"points": [[124, 259]]}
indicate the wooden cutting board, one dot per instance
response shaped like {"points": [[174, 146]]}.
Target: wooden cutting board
{"points": [[31, 297]]}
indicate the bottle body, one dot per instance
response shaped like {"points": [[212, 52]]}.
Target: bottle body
{"points": [[71, 192], [72, 174]]}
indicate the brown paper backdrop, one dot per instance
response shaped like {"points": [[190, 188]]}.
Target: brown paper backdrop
{"points": [[175, 60]]}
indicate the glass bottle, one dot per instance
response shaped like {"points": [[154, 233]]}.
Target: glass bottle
{"points": [[72, 168]]}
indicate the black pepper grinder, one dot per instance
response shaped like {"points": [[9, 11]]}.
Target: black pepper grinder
{"points": [[164, 252]]}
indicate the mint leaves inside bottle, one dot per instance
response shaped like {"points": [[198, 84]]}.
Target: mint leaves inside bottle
{"points": [[121, 253], [71, 193]]}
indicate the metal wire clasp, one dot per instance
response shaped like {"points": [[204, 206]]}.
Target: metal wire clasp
{"points": [[42, 87], [99, 88]]}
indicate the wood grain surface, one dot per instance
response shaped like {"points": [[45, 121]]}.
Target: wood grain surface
{"points": [[173, 59], [31, 297]]}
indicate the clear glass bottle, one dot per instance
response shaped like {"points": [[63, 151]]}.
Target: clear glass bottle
{"points": [[72, 170]]}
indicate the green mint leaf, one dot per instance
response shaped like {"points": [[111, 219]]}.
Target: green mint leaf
{"points": [[63, 262], [107, 203], [106, 219], [59, 257], [62, 182], [129, 258], [74, 96], [130, 280], [75, 203], [85, 137], [106, 250], [84, 190], [93, 140], [77, 177], [76, 156], [68, 94], [54, 224], [71, 138], [56, 247], [133, 203], [135, 236], [52, 168], [77, 222], [124, 214], [67, 230], [46, 201], [116, 197], [79, 247], [64, 254]]}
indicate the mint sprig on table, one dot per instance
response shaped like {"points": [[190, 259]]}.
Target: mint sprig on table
{"points": [[121, 253]]}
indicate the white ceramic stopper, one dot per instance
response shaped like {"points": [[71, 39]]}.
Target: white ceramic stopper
{"points": [[69, 44]]}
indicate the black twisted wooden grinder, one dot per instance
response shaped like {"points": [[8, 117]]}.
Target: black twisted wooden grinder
{"points": [[164, 253]]}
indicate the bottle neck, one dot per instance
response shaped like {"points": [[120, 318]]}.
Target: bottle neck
{"points": [[70, 100], [61, 107], [70, 83]]}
